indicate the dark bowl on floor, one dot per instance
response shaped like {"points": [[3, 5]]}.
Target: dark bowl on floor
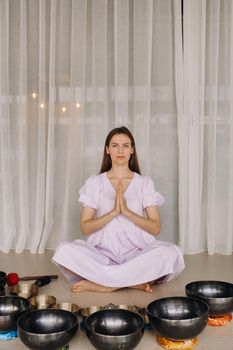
{"points": [[178, 318], [47, 329], [114, 329], [217, 294], [11, 308], [2, 290]]}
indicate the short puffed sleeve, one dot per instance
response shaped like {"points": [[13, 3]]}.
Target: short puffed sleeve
{"points": [[150, 196], [89, 193]]}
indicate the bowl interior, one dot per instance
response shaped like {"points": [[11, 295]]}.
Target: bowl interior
{"points": [[47, 321], [115, 322], [177, 308], [210, 289], [11, 305]]}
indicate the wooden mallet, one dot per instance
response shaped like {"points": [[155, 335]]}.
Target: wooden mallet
{"points": [[13, 278]]}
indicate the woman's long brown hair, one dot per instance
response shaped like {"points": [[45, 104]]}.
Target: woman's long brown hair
{"points": [[133, 161]]}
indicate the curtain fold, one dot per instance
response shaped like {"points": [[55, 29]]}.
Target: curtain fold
{"points": [[7, 220], [71, 70], [206, 136], [191, 127]]}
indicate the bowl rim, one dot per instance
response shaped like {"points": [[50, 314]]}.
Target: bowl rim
{"points": [[47, 311], [114, 311], [25, 300], [197, 295], [181, 298]]}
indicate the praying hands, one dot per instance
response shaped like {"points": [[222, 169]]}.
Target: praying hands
{"points": [[120, 203]]}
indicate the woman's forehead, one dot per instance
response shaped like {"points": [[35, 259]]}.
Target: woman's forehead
{"points": [[120, 138]]}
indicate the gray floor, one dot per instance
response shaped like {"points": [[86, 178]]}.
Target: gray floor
{"points": [[198, 266]]}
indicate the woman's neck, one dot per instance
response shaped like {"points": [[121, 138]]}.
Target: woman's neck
{"points": [[119, 172]]}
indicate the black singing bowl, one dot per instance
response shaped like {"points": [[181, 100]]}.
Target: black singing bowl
{"points": [[47, 329], [218, 295], [2, 289], [178, 318], [11, 308], [115, 329]]}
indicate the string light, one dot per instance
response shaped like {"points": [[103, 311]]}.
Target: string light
{"points": [[42, 105]]}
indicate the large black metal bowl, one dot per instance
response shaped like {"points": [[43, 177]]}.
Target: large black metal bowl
{"points": [[114, 329], [11, 308], [217, 294], [47, 329], [178, 318]]}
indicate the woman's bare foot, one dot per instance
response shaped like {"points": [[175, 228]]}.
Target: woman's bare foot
{"points": [[89, 286], [144, 286]]}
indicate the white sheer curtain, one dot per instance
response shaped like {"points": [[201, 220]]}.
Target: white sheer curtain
{"points": [[71, 70], [206, 128]]}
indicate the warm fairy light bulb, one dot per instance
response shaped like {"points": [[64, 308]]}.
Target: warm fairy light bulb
{"points": [[34, 95], [78, 105], [42, 105], [63, 109]]}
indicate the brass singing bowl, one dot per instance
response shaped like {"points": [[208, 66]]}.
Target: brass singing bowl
{"points": [[217, 294], [91, 309], [114, 329], [68, 306], [11, 308], [87, 311], [24, 290], [42, 301], [143, 313], [48, 329], [178, 318]]}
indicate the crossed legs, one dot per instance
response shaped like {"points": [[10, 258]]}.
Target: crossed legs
{"points": [[89, 286]]}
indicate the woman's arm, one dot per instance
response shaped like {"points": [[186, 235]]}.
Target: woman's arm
{"points": [[150, 224]]}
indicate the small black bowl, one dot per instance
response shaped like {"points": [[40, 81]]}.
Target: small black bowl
{"points": [[11, 308], [47, 329], [217, 294], [114, 329], [2, 290], [178, 318]]}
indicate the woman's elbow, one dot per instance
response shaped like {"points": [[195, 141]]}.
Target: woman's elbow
{"points": [[84, 228], [156, 229]]}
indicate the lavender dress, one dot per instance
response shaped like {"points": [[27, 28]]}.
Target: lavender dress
{"points": [[120, 254]]}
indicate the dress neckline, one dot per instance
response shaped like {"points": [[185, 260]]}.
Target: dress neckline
{"points": [[111, 185]]}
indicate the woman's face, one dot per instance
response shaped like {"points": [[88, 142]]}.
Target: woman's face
{"points": [[120, 149]]}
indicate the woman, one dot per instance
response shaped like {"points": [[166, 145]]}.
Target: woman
{"points": [[120, 216]]}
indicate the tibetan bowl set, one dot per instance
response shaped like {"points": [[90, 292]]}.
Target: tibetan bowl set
{"points": [[41, 323]]}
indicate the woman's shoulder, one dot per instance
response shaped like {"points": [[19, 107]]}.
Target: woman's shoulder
{"points": [[142, 179], [150, 195], [94, 180]]}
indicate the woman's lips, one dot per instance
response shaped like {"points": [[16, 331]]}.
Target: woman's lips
{"points": [[120, 157]]}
